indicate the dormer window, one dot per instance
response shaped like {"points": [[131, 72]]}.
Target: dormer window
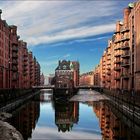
{"points": [[64, 67]]}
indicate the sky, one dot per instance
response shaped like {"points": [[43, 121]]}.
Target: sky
{"points": [[76, 30]]}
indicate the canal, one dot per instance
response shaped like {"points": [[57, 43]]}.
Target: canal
{"points": [[42, 117]]}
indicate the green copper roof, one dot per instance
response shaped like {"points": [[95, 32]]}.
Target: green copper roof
{"points": [[131, 5], [71, 66]]}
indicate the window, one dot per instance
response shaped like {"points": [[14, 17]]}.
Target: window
{"points": [[64, 67]]}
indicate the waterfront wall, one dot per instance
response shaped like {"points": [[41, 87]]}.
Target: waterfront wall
{"points": [[128, 98], [11, 95]]}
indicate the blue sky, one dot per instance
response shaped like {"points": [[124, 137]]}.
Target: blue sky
{"points": [[67, 29]]}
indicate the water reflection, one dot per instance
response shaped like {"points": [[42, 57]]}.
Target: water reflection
{"points": [[66, 114], [45, 118], [25, 118], [112, 123]]}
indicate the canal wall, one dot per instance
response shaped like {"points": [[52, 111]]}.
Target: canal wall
{"points": [[11, 104], [127, 116], [131, 99], [11, 95], [127, 107]]}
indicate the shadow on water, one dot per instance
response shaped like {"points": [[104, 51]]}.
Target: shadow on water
{"points": [[113, 123]]}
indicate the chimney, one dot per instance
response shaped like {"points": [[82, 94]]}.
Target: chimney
{"points": [[0, 13], [118, 26], [126, 16]]}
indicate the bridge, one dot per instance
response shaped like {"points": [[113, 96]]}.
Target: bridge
{"points": [[77, 87], [44, 87]]}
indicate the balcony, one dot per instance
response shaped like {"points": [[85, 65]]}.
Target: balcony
{"points": [[14, 68], [24, 73], [15, 49], [26, 55], [117, 41], [103, 81], [108, 80], [108, 58], [117, 55], [117, 78], [14, 62], [117, 48], [25, 59], [108, 68], [125, 76], [125, 55], [25, 64], [15, 78], [31, 72], [125, 38], [103, 75], [125, 64], [14, 55], [116, 32], [124, 29], [117, 68], [108, 73], [118, 61], [25, 69], [125, 47], [31, 68]]}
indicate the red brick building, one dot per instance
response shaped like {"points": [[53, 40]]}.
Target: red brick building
{"points": [[120, 69], [4, 53], [87, 79], [18, 67]]}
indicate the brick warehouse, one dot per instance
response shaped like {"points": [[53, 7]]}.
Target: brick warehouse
{"points": [[18, 67], [119, 67]]}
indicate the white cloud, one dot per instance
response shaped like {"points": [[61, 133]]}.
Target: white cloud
{"points": [[72, 34], [52, 133], [47, 22], [56, 44]]}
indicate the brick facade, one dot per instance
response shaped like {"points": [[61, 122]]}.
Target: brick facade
{"points": [[15, 60], [120, 69]]}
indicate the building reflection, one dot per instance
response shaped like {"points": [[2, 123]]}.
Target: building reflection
{"points": [[25, 120], [66, 114], [111, 126]]}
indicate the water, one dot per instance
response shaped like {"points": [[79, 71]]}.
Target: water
{"points": [[44, 118]]}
